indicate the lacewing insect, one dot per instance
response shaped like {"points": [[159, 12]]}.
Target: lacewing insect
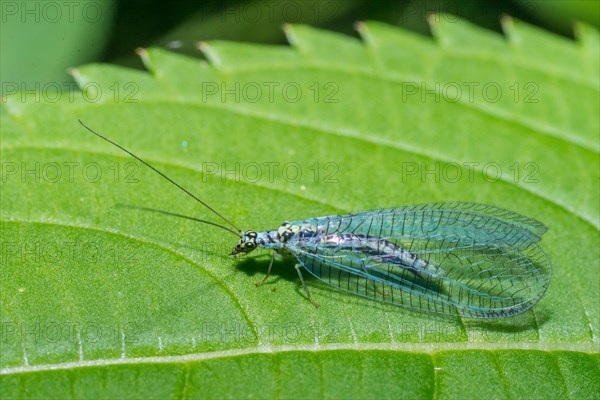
{"points": [[465, 259]]}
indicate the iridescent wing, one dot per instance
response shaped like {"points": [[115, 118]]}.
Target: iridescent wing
{"points": [[465, 259]]}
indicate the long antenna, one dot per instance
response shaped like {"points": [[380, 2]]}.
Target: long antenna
{"points": [[163, 175], [156, 210]]}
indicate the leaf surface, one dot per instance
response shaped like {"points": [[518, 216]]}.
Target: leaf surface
{"points": [[97, 298]]}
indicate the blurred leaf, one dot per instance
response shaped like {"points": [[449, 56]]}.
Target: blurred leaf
{"points": [[101, 301], [562, 14], [256, 21], [40, 40]]}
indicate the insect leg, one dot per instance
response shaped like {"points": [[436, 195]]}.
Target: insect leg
{"points": [[298, 266], [268, 271]]}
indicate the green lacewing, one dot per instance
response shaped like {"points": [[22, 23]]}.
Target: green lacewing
{"points": [[456, 258]]}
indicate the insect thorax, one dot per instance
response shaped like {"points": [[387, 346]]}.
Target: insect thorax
{"points": [[277, 239], [273, 240], [268, 239]]}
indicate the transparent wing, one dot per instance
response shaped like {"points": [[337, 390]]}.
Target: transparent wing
{"points": [[451, 258]]}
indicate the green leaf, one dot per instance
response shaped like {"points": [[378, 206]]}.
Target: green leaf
{"points": [[100, 301]]}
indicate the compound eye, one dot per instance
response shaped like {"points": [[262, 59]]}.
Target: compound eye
{"points": [[249, 245]]}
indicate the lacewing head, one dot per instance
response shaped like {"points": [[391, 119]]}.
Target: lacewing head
{"points": [[246, 244]]}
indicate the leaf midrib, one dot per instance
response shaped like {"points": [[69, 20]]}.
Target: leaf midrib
{"points": [[418, 348]]}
